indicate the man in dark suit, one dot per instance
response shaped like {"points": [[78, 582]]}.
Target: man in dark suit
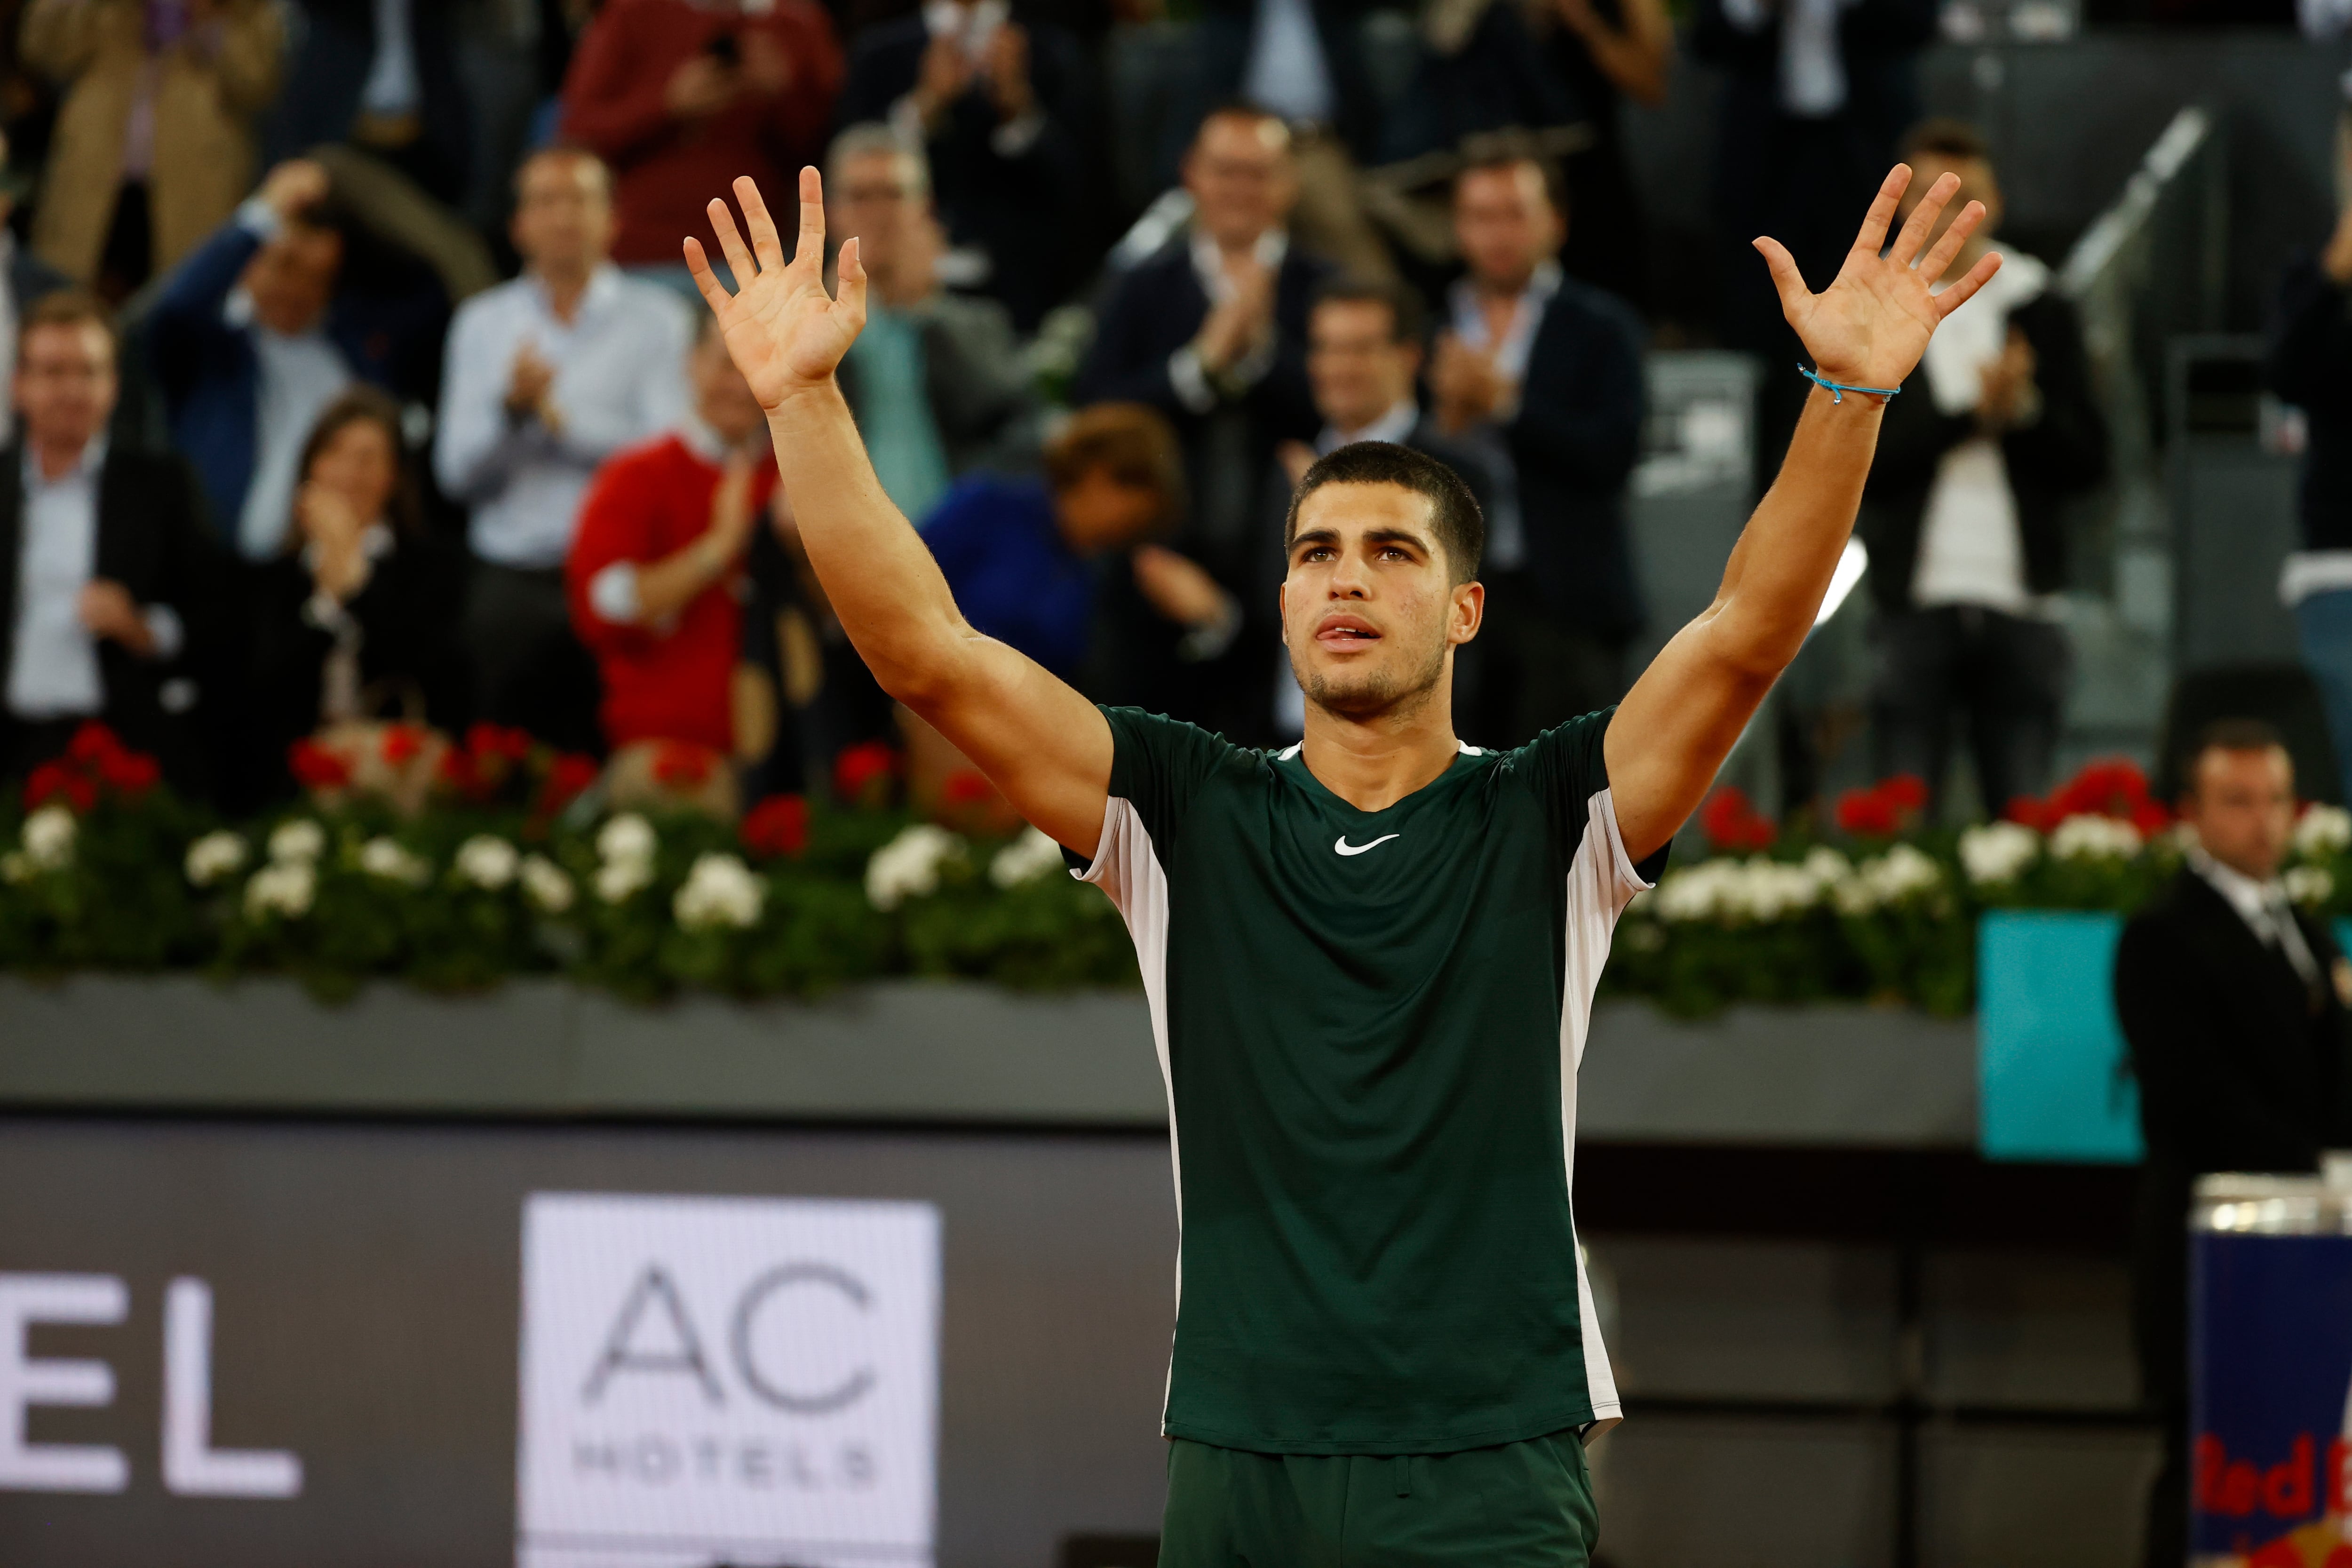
{"points": [[1965, 514], [2233, 1002], [1364, 355], [1543, 375], [104, 564], [416, 115], [1211, 330], [1000, 108], [257, 331]]}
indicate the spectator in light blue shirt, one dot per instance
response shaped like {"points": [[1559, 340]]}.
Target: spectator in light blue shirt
{"points": [[546, 378]]}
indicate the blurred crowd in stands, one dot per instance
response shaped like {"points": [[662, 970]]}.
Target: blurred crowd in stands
{"points": [[358, 378]]}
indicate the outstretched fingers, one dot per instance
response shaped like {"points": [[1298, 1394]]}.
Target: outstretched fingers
{"points": [[1932, 265], [1786, 277], [849, 298], [765, 242], [714, 292], [1923, 219], [810, 249], [739, 258], [1883, 207], [1976, 276]]}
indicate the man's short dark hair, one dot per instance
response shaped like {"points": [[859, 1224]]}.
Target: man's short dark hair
{"points": [[1242, 109], [1507, 154], [67, 308], [1945, 137], [1408, 318], [2227, 735], [1453, 509]]}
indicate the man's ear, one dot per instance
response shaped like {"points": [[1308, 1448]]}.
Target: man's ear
{"points": [[1469, 612]]}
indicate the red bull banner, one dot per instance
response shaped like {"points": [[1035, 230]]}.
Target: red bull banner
{"points": [[2271, 1369]]}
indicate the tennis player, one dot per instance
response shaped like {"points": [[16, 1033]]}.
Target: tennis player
{"points": [[1370, 958]]}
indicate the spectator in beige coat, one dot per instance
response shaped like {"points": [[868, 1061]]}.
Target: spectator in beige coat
{"points": [[154, 141]]}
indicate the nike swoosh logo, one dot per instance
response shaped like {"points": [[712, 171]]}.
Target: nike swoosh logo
{"points": [[1344, 847]]}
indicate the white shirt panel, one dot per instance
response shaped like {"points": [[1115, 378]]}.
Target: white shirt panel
{"points": [[53, 667]]}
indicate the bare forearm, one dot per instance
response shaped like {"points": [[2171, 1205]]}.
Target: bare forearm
{"points": [[879, 576], [1778, 573], [670, 583]]}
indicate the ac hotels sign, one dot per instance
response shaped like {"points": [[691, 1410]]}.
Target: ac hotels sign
{"points": [[707, 1379]]}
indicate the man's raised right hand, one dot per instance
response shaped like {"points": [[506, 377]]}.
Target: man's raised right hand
{"points": [[784, 332]]}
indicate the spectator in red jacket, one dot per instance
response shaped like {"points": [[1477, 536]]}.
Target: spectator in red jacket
{"points": [[656, 558], [681, 96]]}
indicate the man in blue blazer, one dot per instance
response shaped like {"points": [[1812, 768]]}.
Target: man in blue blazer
{"points": [[258, 330]]}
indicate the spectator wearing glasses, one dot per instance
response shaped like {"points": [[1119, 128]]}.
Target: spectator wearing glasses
{"points": [[935, 380], [105, 570], [997, 106], [546, 378]]}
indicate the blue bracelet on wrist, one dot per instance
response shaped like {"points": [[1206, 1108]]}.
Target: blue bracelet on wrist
{"points": [[1837, 390]]}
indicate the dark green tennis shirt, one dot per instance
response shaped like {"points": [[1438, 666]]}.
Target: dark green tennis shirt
{"points": [[1369, 1024]]}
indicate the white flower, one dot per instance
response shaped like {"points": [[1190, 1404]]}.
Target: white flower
{"points": [[2310, 886], [49, 838], [215, 856], [486, 861], [1026, 858], [616, 879], [1767, 891], [299, 840], [2090, 837], [1902, 872], [1700, 892], [1998, 852], [2323, 830], [627, 837], [1828, 866], [720, 891], [545, 884], [392, 860], [909, 865], [284, 888]]}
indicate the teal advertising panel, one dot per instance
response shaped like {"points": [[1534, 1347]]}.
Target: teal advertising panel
{"points": [[2050, 1077]]}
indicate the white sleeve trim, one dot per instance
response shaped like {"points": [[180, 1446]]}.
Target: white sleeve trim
{"points": [[1190, 381], [1604, 815]]}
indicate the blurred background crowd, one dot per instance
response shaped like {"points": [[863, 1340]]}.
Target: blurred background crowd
{"points": [[358, 379]]}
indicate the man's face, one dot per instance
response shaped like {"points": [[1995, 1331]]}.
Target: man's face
{"points": [[721, 397], [293, 275], [1357, 367], [64, 382], [1368, 611], [2242, 806], [875, 200], [1240, 175], [563, 212], [1505, 223], [1977, 184]]}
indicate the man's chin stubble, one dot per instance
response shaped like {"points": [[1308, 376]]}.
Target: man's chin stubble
{"points": [[1378, 694]]}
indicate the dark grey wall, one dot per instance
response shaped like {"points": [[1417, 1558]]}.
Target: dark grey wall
{"points": [[366, 1286]]}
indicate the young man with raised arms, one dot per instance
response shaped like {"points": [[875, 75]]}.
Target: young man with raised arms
{"points": [[1370, 958]]}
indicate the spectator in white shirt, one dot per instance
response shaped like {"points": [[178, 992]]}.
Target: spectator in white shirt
{"points": [[104, 562], [1964, 517], [546, 378]]}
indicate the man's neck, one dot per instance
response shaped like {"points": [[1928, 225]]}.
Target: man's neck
{"points": [[1495, 291], [1372, 763], [57, 458], [565, 286]]}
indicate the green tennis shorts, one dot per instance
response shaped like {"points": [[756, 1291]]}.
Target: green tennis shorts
{"points": [[1522, 1505]]}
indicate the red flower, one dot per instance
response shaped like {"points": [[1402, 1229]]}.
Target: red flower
{"points": [[128, 772], [1866, 814], [94, 743], [866, 767], [678, 764], [1905, 793], [402, 743], [2032, 811], [567, 776], [2150, 818], [49, 781], [499, 741], [965, 786], [1733, 824], [777, 826], [315, 767]]}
